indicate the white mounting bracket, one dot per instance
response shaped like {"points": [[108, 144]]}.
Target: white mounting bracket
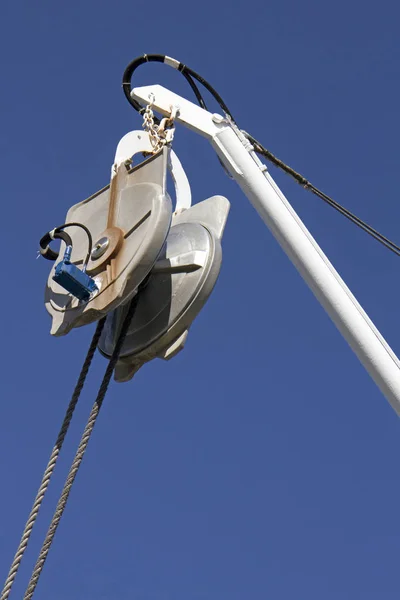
{"points": [[239, 158], [134, 142]]}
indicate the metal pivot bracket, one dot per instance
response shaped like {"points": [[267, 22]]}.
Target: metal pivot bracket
{"points": [[178, 287], [129, 221]]}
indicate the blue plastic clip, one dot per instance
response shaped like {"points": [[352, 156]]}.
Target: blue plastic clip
{"points": [[72, 279]]}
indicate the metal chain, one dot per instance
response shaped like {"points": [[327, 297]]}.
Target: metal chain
{"points": [[51, 464], [161, 134], [80, 453], [151, 127]]}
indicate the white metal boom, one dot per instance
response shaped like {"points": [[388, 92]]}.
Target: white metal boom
{"points": [[239, 158]]}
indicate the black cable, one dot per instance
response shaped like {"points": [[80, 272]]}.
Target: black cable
{"points": [[56, 234], [259, 148], [195, 89], [90, 241], [59, 233], [184, 69], [128, 73]]}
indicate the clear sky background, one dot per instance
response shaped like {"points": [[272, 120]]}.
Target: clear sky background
{"points": [[262, 462]]}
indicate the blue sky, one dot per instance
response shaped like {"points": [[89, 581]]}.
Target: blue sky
{"points": [[262, 462]]}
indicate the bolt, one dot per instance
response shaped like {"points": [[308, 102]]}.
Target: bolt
{"points": [[99, 248]]}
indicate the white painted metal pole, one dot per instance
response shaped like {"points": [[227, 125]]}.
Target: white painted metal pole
{"points": [[315, 268], [286, 226]]}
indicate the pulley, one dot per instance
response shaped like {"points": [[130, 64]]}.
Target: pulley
{"points": [[137, 239], [177, 288]]}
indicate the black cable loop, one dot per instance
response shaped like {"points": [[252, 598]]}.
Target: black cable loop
{"points": [[59, 233], [56, 234], [188, 73], [259, 148]]}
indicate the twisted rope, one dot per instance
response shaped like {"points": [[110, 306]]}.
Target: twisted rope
{"points": [[51, 464], [79, 454]]}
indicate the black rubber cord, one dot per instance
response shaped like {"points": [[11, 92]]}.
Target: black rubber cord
{"points": [[59, 233], [188, 73]]}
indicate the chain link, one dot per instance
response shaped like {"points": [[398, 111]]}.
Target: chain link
{"points": [[162, 134]]}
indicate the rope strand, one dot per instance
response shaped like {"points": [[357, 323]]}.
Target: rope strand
{"points": [[51, 464], [79, 454]]}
